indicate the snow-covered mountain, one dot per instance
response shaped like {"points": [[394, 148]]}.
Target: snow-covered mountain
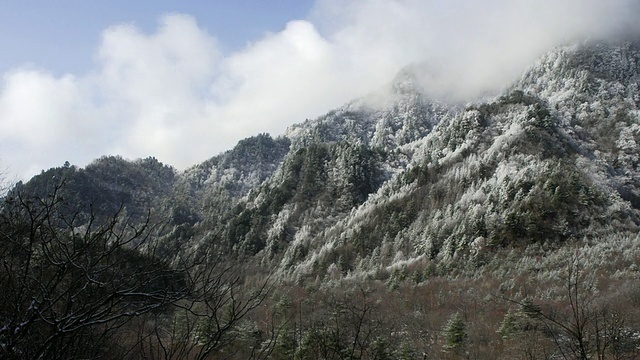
{"points": [[550, 161], [396, 179]]}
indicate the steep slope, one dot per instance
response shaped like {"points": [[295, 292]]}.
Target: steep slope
{"points": [[332, 165], [552, 160], [594, 89]]}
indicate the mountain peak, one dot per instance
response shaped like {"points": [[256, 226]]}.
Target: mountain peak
{"points": [[407, 81]]}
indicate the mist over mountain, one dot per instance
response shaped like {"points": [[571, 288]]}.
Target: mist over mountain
{"points": [[149, 87], [398, 188], [399, 176]]}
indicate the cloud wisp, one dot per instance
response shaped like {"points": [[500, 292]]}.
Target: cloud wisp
{"points": [[175, 95]]}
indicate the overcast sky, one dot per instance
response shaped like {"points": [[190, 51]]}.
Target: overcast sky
{"points": [[185, 80]]}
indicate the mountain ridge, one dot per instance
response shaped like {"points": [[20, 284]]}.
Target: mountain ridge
{"points": [[553, 159]]}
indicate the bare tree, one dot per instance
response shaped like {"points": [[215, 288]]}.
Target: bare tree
{"points": [[585, 325], [346, 327], [64, 282], [98, 288], [206, 319]]}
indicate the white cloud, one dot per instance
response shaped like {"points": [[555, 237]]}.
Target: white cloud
{"points": [[41, 116], [174, 95], [469, 47], [154, 88]]}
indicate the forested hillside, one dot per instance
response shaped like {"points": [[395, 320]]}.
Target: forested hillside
{"points": [[394, 227]]}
